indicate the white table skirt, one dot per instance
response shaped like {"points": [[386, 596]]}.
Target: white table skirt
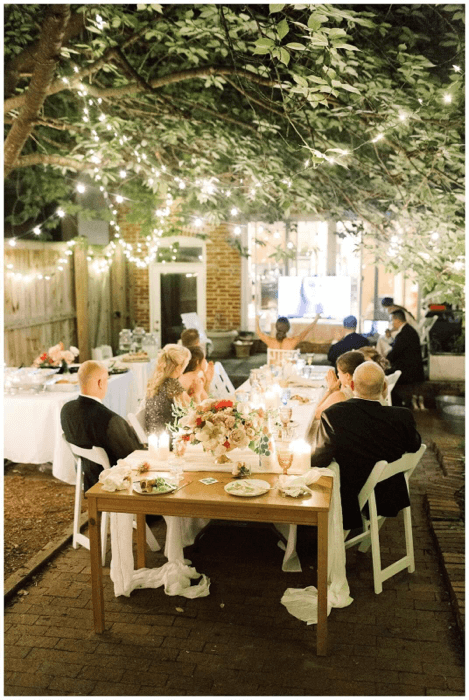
{"points": [[32, 430], [142, 372]]}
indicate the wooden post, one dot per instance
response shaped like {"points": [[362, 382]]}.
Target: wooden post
{"points": [[118, 296], [81, 298]]}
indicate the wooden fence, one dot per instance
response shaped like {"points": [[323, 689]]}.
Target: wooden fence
{"points": [[77, 305]]}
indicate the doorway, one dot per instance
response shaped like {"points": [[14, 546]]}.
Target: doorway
{"points": [[176, 288]]}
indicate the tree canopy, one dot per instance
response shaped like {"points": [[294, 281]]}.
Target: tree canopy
{"points": [[230, 112]]}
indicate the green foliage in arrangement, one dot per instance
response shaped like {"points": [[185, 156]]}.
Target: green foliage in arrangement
{"points": [[343, 111]]}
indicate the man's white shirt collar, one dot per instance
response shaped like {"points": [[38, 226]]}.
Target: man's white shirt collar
{"points": [[87, 396]]}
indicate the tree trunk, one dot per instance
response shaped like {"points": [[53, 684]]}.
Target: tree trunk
{"points": [[46, 58]]}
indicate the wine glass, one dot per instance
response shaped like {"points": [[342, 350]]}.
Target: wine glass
{"points": [[284, 456], [285, 415]]}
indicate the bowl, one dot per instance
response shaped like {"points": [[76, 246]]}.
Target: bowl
{"points": [[446, 400], [455, 416]]}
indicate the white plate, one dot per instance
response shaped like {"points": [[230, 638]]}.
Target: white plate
{"points": [[247, 487], [170, 487]]}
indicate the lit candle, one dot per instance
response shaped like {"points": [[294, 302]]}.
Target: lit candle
{"points": [[164, 446], [153, 445], [270, 400], [301, 456]]}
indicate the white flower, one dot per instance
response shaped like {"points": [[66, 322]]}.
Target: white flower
{"points": [[238, 438], [74, 350]]}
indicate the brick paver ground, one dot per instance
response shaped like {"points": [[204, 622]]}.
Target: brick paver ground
{"points": [[240, 640]]}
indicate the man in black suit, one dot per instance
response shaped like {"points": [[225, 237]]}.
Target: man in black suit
{"points": [[351, 341], [87, 423], [405, 353], [360, 432]]}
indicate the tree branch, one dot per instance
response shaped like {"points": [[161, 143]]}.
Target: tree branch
{"points": [[135, 88], [46, 58], [44, 159]]}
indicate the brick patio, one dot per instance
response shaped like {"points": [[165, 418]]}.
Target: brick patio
{"points": [[240, 640]]}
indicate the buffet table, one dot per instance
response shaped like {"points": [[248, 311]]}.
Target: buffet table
{"points": [[32, 430]]}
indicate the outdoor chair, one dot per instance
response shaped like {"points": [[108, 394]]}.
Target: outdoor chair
{"points": [[137, 421], [221, 386], [275, 356], [99, 456], [392, 381], [372, 525]]}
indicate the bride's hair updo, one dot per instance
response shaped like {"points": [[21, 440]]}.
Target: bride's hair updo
{"points": [[282, 327], [169, 358]]}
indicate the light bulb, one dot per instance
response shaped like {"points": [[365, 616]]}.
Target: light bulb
{"points": [[237, 230], [306, 163], [447, 99], [435, 236], [119, 199], [122, 173], [378, 137], [37, 230], [61, 213], [81, 188], [456, 68], [402, 116], [12, 242], [234, 211], [198, 223]]}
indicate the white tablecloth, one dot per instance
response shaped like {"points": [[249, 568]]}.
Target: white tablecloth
{"points": [[32, 430], [142, 372]]}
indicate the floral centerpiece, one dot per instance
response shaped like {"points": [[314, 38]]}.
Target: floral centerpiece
{"points": [[56, 356], [221, 426]]}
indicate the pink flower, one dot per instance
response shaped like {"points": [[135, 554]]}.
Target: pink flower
{"points": [[55, 352], [68, 356]]}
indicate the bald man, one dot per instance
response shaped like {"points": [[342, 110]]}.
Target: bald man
{"points": [[87, 423], [360, 432]]}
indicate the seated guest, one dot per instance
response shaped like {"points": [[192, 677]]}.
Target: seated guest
{"points": [[339, 389], [164, 388], [190, 338], [87, 423], [360, 432], [405, 353], [198, 374], [351, 340], [281, 342], [372, 354]]}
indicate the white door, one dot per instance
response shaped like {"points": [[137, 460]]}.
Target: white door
{"points": [[175, 288]]}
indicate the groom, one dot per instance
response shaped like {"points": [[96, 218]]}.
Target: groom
{"points": [[360, 432], [87, 423]]}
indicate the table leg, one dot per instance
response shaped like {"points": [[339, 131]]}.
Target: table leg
{"points": [[141, 541], [97, 598], [321, 642]]}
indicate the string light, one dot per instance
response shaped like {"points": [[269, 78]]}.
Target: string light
{"points": [[12, 242], [37, 230], [378, 137], [234, 211], [447, 99], [81, 188]]}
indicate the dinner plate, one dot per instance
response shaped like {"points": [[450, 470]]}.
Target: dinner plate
{"points": [[169, 488], [247, 487]]}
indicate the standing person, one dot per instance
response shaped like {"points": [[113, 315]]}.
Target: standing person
{"points": [[385, 342], [360, 432], [405, 353], [198, 374], [164, 388], [87, 423], [351, 340], [281, 342]]}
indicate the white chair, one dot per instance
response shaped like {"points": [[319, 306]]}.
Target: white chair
{"points": [[392, 381], [275, 356], [221, 385], [137, 421], [370, 535], [98, 456]]}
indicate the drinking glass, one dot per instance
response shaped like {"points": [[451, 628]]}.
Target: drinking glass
{"points": [[284, 456], [285, 415]]}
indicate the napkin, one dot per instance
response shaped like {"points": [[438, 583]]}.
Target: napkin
{"points": [[298, 485], [115, 479]]}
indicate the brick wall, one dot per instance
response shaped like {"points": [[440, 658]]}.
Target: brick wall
{"points": [[223, 292]]}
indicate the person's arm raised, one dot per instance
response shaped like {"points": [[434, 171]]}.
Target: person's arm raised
{"points": [[265, 338], [301, 336]]}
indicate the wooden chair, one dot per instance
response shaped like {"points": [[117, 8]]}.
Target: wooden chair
{"points": [[137, 421], [392, 381], [221, 386], [371, 527], [275, 356]]}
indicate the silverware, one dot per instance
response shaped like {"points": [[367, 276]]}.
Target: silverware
{"points": [[181, 487]]}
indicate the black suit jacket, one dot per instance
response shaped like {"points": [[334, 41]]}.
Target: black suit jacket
{"points": [[87, 423], [357, 434], [405, 355], [352, 341]]}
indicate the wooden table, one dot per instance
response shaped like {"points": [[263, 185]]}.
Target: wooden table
{"points": [[200, 501]]}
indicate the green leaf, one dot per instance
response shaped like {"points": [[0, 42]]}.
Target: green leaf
{"points": [[275, 8], [284, 56], [265, 42], [283, 28], [348, 87], [349, 47], [297, 47]]}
